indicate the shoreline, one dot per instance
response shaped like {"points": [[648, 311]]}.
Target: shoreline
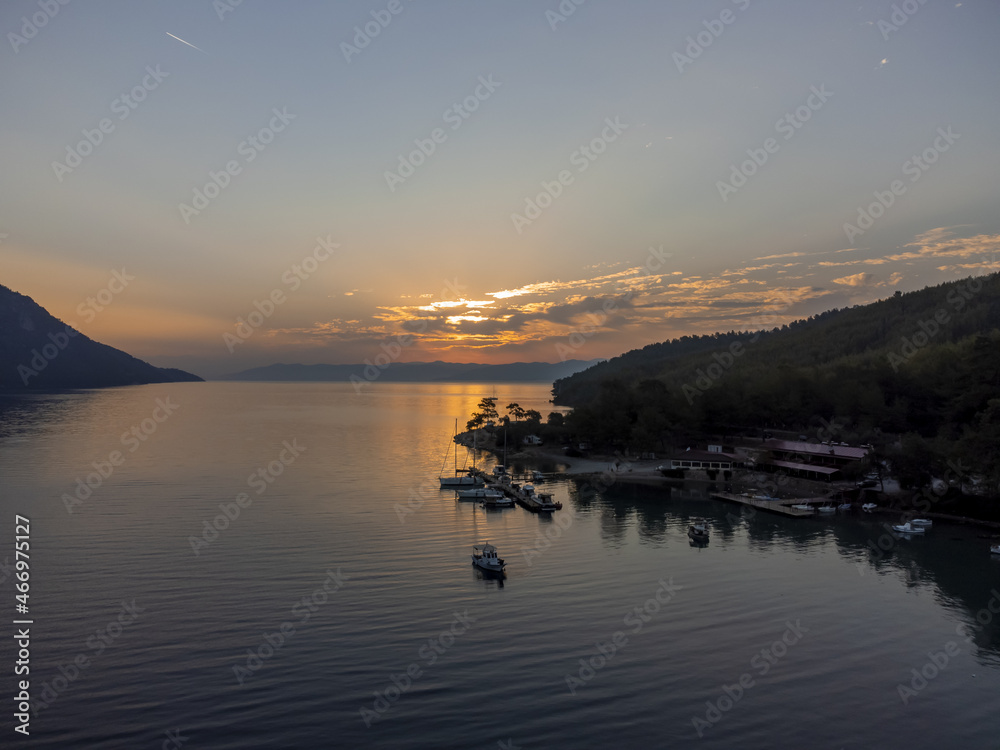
{"points": [[644, 471]]}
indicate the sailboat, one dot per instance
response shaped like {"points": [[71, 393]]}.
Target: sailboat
{"points": [[462, 478]]}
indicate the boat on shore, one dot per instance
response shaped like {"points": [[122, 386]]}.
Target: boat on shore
{"points": [[484, 556], [907, 528], [698, 531]]}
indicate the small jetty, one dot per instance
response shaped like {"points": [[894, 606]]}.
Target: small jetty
{"points": [[527, 500], [774, 505]]}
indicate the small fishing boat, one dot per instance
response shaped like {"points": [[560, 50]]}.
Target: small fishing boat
{"points": [[698, 530], [827, 509], [868, 507], [485, 557], [844, 506], [804, 506], [923, 523], [906, 528]]}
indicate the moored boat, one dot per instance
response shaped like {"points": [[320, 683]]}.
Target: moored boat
{"points": [[539, 502], [995, 549], [868, 507], [460, 480], [499, 500], [844, 506], [485, 556], [478, 493], [906, 528], [463, 477], [804, 506], [923, 523], [827, 509]]}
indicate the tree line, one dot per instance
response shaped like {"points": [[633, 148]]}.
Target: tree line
{"points": [[916, 375]]}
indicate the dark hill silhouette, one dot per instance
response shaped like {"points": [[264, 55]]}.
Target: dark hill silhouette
{"points": [[40, 352]]}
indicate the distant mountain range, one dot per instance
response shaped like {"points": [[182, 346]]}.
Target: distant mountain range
{"points": [[38, 352], [416, 372]]}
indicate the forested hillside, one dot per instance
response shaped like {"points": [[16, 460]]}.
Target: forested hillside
{"points": [[920, 369]]}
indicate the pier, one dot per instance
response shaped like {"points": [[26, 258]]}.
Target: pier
{"points": [[511, 491], [782, 507]]}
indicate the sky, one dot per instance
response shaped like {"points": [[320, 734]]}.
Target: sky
{"points": [[218, 186]]}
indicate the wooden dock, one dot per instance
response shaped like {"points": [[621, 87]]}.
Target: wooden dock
{"points": [[782, 507], [507, 490]]}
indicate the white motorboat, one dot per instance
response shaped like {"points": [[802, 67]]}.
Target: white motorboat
{"points": [[923, 523], [906, 528], [827, 509], [478, 493], [485, 557], [804, 506], [868, 507]]}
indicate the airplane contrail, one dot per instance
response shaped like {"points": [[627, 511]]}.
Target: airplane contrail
{"points": [[187, 43]]}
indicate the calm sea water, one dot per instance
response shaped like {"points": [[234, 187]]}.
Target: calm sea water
{"points": [[342, 595]]}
